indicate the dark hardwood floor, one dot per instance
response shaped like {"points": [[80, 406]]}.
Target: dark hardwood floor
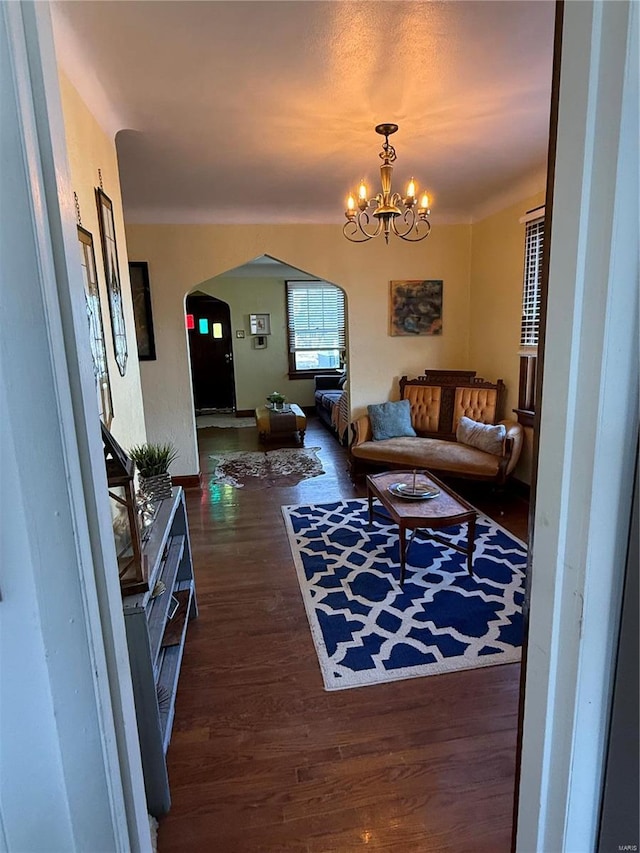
{"points": [[264, 759]]}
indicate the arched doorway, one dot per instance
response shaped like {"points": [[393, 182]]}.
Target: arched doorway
{"points": [[210, 353], [262, 363]]}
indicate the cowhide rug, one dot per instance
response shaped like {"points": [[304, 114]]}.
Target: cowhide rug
{"points": [[264, 469]]}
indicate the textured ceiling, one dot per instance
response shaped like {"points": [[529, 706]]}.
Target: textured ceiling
{"points": [[264, 111]]}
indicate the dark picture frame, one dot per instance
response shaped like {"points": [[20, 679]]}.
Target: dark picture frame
{"points": [[112, 274], [96, 326], [415, 307], [142, 313]]}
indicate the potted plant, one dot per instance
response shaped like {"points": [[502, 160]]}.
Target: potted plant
{"points": [[277, 400], [153, 461]]}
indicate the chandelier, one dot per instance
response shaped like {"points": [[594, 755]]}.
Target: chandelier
{"points": [[404, 217]]}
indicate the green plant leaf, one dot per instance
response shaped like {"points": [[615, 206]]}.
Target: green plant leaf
{"points": [[152, 459]]}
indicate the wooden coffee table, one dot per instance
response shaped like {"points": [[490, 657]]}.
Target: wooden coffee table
{"points": [[445, 510]]}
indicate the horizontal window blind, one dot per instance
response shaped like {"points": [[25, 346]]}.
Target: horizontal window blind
{"points": [[315, 311], [534, 232]]}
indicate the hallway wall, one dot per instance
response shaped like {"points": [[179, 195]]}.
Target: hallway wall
{"points": [[497, 264], [89, 149]]}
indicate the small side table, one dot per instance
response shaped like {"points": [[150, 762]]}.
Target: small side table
{"points": [[273, 424]]}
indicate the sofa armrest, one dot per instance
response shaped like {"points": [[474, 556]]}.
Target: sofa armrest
{"points": [[514, 444], [328, 383], [361, 429]]}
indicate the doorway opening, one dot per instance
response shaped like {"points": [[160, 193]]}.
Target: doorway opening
{"points": [[210, 354], [260, 328]]}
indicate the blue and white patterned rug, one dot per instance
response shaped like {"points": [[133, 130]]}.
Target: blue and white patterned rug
{"points": [[369, 630]]}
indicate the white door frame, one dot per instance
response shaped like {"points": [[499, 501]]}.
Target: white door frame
{"points": [[70, 770], [589, 432]]}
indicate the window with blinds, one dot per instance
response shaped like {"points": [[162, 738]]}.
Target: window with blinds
{"points": [[316, 326], [534, 232], [530, 326]]}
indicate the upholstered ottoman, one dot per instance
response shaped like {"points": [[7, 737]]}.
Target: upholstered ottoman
{"points": [[272, 424]]}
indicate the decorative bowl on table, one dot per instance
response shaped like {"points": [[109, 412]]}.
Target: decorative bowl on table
{"points": [[414, 492]]}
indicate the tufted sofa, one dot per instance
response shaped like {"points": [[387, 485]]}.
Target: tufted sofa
{"points": [[438, 400]]}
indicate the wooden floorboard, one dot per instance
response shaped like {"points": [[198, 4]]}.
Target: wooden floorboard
{"points": [[262, 758]]}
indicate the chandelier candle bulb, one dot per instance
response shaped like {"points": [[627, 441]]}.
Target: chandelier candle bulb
{"points": [[363, 201], [411, 189]]}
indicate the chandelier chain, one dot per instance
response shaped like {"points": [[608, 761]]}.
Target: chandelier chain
{"points": [[388, 153]]}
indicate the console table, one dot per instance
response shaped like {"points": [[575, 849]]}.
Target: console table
{"points": [[156, 626]]}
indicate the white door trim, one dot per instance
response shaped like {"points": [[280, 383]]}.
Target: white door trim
{"points": [[77, 604], [588, 432]]}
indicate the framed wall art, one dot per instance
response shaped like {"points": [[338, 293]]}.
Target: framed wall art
{"points": [[260, 324], [96, 326], [141, 296], [415, 307], [112, 274]]}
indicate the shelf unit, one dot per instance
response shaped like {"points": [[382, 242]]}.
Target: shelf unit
{"points": [[156, 641]]}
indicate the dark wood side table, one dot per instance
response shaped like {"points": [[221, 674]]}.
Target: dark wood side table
{"points": [[445, 510]]}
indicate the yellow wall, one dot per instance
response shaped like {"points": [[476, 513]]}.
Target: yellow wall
{"points": [[497, 260], [90, 149], [182, 257]]}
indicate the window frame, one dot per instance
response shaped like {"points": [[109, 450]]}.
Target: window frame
{"points": [[534, 221], [295, 372]]}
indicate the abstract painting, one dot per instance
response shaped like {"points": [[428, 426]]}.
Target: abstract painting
{"points": [[415, 307]]}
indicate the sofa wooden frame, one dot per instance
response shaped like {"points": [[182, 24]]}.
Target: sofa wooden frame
{"points": [[449, 381]]}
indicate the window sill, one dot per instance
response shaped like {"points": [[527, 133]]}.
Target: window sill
{"points": [[525, 417], [311, 374]]}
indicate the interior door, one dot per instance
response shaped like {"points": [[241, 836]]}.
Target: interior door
{"points": [[212, 374]]}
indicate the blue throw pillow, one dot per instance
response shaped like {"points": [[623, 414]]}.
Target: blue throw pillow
{"points": [[390, 420]]}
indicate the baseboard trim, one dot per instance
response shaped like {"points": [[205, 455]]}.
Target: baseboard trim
{"points": [[188, 481]]}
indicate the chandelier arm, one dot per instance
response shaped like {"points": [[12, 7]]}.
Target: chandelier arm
{"points": [[412, 222], [408, 218], [353, 237], [357, 228]]}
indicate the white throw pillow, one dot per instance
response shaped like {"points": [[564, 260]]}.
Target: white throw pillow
{"points": [[482, 436]]}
